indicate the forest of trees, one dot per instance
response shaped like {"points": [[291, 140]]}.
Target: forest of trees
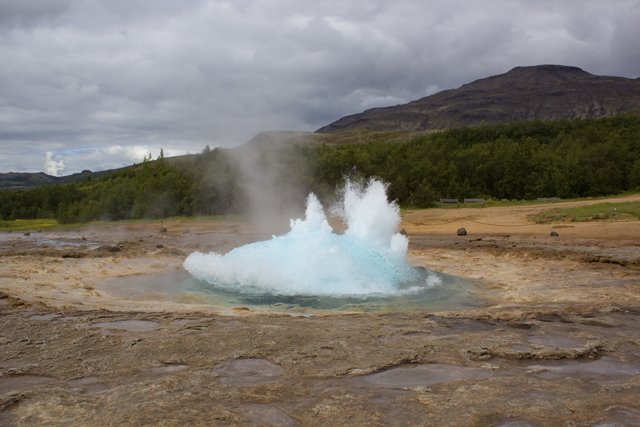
{"points": [[527, 160]]}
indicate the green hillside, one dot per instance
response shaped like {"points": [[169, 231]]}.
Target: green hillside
{"points": [[528, 160]]}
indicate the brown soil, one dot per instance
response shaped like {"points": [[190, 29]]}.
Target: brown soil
{"points": [[558, 342]]}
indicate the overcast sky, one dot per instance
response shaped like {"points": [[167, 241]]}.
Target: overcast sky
{"points": [[97, 84]]}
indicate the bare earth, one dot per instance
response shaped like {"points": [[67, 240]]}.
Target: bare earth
{"points": [[557, 342]]}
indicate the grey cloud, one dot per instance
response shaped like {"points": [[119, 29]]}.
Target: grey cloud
{"points": [[79, 77]]}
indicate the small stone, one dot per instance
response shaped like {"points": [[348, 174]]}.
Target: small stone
{"points": [[403, 232], [160, 246], [27, 234], [163, 230], [462, 231], [553, 233]]}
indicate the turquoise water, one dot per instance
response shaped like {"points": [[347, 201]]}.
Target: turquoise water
{"points": [[365, 268], [449, 293]]}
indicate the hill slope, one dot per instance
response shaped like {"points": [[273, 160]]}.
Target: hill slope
{"points": [[544, 92], [26, 180]]}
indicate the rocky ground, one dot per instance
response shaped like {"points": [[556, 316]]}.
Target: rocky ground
{"points": [[556, 343]]}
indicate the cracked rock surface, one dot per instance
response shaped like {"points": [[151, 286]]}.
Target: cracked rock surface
{"points": [[557, 341]]}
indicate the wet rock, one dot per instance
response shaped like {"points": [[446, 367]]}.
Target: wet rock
{"points": [[263, 414], [403, 232], [414, 375], [129, 325], [72, 254], [462, 231], [249, 372], [553, 233], [111, 249]]}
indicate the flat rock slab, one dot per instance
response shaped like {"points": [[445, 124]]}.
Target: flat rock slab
{"points": [[129, 325], [412, 375], [557, 342], [249, 372], [267, 415], [10, 384], [606, 370]]}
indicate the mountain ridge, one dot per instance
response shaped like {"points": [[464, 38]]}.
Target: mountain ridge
{"points": [[542, 92]]}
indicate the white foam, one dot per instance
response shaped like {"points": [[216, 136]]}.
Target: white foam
{"points": [[370, 258]]}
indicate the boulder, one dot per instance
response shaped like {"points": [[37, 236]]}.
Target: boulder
{"points": [[462, 231], [553, 233]]}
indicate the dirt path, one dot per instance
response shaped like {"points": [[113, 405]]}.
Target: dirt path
{"points": [[513, 220]]}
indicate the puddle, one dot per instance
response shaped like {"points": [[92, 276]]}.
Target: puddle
{"points": [[19, 382], [182, 321], [81, 382], [168, 286], [619, 417], [414, 375], [516, 423], [474, 325], [519, 347], [249, 372], [464, 324], [232, 323], [96, 388], [43, 316], [607, 370], [557, 342], [65, 318], [167, 369], [267, 415], [597, 324], [420, 334], [129, 325], [390, 340]]}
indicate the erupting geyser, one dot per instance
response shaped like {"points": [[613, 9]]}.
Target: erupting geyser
{"points": [[369, 258]]}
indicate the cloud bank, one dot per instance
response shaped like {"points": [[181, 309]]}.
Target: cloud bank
{"points": [[99, 84]]}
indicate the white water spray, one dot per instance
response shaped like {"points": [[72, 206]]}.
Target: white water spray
{"points": [[370, 258]]}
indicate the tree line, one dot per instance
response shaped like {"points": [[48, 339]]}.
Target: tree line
{"points": [[527, 160]]}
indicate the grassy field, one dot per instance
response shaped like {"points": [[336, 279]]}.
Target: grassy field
{"points": [[52, 224], [597, 212], [28, 224]]}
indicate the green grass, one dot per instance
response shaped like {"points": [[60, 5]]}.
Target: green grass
{"points": [[52, 224], [597, 212], [28, 224]]}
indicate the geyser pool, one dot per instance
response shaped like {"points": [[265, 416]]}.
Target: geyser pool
{"points": [[311, 266]]}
